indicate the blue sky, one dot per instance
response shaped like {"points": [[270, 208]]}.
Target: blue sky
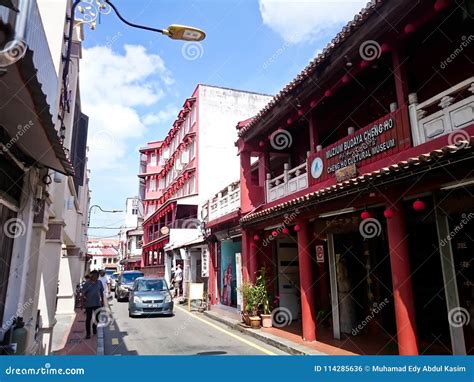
{"points": [[133, 82]]}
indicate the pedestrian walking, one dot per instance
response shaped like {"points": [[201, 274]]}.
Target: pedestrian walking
{"points": [[104, 279], [178, 280], [93, 291]]}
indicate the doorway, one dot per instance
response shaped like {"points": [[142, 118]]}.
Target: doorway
{"points": [[289, 277]]}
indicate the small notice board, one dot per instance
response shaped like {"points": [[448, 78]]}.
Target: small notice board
{"points": [[196, 292]]}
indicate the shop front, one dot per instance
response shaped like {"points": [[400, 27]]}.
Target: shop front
{"points": [[383, 261]]}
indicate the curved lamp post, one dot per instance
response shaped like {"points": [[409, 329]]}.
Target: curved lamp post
{"points": [[87, 13], [100, 208]]}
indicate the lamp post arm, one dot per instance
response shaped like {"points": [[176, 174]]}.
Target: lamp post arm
{"points": [[132, 24]]}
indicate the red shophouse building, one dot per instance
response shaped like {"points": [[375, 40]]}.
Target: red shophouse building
{"points": [[178, 174], [357, 183]]}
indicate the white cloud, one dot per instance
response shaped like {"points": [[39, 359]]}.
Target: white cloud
{"points": [[166, 115], [113, 86], [306, 20]]}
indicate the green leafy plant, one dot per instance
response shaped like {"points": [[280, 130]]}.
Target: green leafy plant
{"points": [[247, 294], [262, 298]]}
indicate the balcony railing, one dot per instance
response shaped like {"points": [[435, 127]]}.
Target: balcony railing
{"points": [[291, 181], [224, 204], [185, 223], [442, 114]]}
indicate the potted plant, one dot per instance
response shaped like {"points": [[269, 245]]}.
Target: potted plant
{"points": [[252, 306], [264, 300], [246, 290]]}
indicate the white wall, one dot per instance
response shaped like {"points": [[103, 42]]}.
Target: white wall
{"points": [[53, 15], [219, 112]]}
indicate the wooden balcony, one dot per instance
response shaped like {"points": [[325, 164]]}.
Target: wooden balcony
{"points": [[291, 181], [445, 113]]}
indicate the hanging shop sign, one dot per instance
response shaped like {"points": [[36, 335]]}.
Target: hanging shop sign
{"points": [[384, 137], [205, 263], [320, 254]]}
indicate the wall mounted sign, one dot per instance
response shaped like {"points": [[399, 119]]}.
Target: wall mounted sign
{"points": [[382, 138], [317, 167], [205, 263], [346, 173], [320, 254]]}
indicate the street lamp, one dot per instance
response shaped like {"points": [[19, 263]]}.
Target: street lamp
{"points": [[91, 9], [100, 208]]}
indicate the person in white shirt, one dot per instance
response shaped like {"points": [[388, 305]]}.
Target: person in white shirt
{"points": [[104, 279], [178, 279]]}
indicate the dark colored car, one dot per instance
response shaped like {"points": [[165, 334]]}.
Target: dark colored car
{"points": [[125, 284], [150, 296]]}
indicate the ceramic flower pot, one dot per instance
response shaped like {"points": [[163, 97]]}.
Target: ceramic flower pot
{"points": [[266, 320], [255, 322]]}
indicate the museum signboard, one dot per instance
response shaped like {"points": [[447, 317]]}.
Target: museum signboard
{"points": [[344, 158]]}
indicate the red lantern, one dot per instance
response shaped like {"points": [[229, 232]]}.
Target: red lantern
{"points": [[365, 215], [313, 103], [328, 93], [285, 231], [261, 143], [440, 5], [384, 48], [364, 64], [274, 233], [256, 237], [289, 121], [419, 205], [346, 79], [297, 228], [409, 28], [300, 113], [388, 213]]}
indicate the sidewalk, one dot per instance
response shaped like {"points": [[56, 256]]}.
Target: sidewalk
{"points": [[70, 336], [288, 342]]}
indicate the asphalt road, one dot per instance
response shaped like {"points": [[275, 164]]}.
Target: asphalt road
{"points": [[183, 334]]}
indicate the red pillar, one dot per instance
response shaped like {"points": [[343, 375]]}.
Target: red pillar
{"points": [[245, 254], [245, 182], [212, 273], [249, 256], [401, 280], [253, 261], [313, 133], [263, 168], [306, 282]]}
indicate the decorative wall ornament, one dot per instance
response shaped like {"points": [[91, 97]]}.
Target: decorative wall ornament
{"points": [[87, 11], [13, 51]]}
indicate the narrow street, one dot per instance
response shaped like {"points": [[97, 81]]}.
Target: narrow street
{"points": [[182, 334]]}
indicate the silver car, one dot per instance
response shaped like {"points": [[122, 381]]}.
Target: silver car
{"points": [[150, 296]]}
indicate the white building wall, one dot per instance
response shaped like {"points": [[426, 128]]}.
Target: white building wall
{"points": [[53, 15], [218, 114]]}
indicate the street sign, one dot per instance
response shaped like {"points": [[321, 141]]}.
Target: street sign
{"points": [[205, 263], [320, 254]]}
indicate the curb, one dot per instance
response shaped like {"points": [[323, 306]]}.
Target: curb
{"points": [[269, 339], [100, 340]]}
